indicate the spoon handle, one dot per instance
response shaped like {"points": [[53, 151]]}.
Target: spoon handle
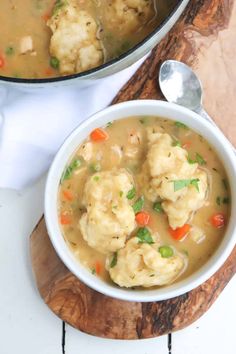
{"points": [[206, 116]]}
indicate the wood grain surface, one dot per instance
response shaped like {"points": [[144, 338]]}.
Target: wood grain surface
{"points": [[204, 38]]}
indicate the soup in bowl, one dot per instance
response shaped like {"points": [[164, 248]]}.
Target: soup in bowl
{"points": [[138, 203]]}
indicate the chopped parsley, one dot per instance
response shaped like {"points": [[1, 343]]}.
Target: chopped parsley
{"points": [[198, 159], [218, 200], [158, 207], [93, 271], [181, 125], [176, 143], [226, 200], [94, 167], [144, 236], [225, 183], [143, 120], [121, 194], [185, 252], [191, 161], [138, 205], [70, 169], [131, 194], [58, 5], [9, 51], [182, 183], [223, 200], [114, 260], [96, 178], [109, 124]]}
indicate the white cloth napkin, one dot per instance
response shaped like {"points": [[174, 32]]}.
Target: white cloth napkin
{"points": [[34, 125]]}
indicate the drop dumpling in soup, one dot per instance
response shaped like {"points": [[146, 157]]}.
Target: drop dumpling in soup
{"points": [[49, 38], [143, 202]]}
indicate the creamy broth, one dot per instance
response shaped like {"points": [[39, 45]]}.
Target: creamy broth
{"points": [[104, 157], [26, 20]]}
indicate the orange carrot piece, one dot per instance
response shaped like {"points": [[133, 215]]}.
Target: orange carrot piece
{"points": [[99, 135], [98, 267], [142, 218], [48, 72], [187, 145], [68, 195], [2, 62], [218, 220], [179, 233], [46, 17], [65, 219]]}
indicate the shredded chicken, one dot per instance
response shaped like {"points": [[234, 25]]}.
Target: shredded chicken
{"points": [[26, 45], [86, 151]]}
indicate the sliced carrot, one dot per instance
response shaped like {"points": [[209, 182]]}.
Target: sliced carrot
{"points": [[142, 218], [2, 62], [46, 17], [180, 232], [187, 145], [218, 220], [99, 135], [48, 72], [65, 219], [68, 195], [98, 267]]}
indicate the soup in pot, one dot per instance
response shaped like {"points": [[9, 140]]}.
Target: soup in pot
{"points": [[144, 202], [48, 38]]}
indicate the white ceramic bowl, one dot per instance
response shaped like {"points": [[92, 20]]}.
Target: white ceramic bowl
{"points": [[119, 111]]}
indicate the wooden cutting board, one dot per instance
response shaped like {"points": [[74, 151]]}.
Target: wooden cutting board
{"points": [[205, 38]]}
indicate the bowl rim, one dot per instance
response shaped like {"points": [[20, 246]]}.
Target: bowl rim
{"points": [[197, 123], [87, 73]]}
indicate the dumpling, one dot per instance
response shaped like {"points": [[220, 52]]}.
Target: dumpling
{"points": [[74, 41], [141, 264], [127, 15], [181, 210], [110, 217], [165, 164]]}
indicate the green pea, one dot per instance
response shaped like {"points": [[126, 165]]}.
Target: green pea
{"points": [[9, 51], [166, 251], [54, 62]]}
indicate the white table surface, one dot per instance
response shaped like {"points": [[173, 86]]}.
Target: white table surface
{"points": [[28, 327]]}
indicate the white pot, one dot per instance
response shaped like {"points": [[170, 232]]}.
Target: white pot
{"points": [[119, 111]]}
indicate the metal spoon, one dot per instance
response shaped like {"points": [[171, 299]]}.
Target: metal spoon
{"points": [[180, 85]]}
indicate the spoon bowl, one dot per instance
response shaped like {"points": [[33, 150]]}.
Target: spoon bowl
{"points": [[180, 84]]}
